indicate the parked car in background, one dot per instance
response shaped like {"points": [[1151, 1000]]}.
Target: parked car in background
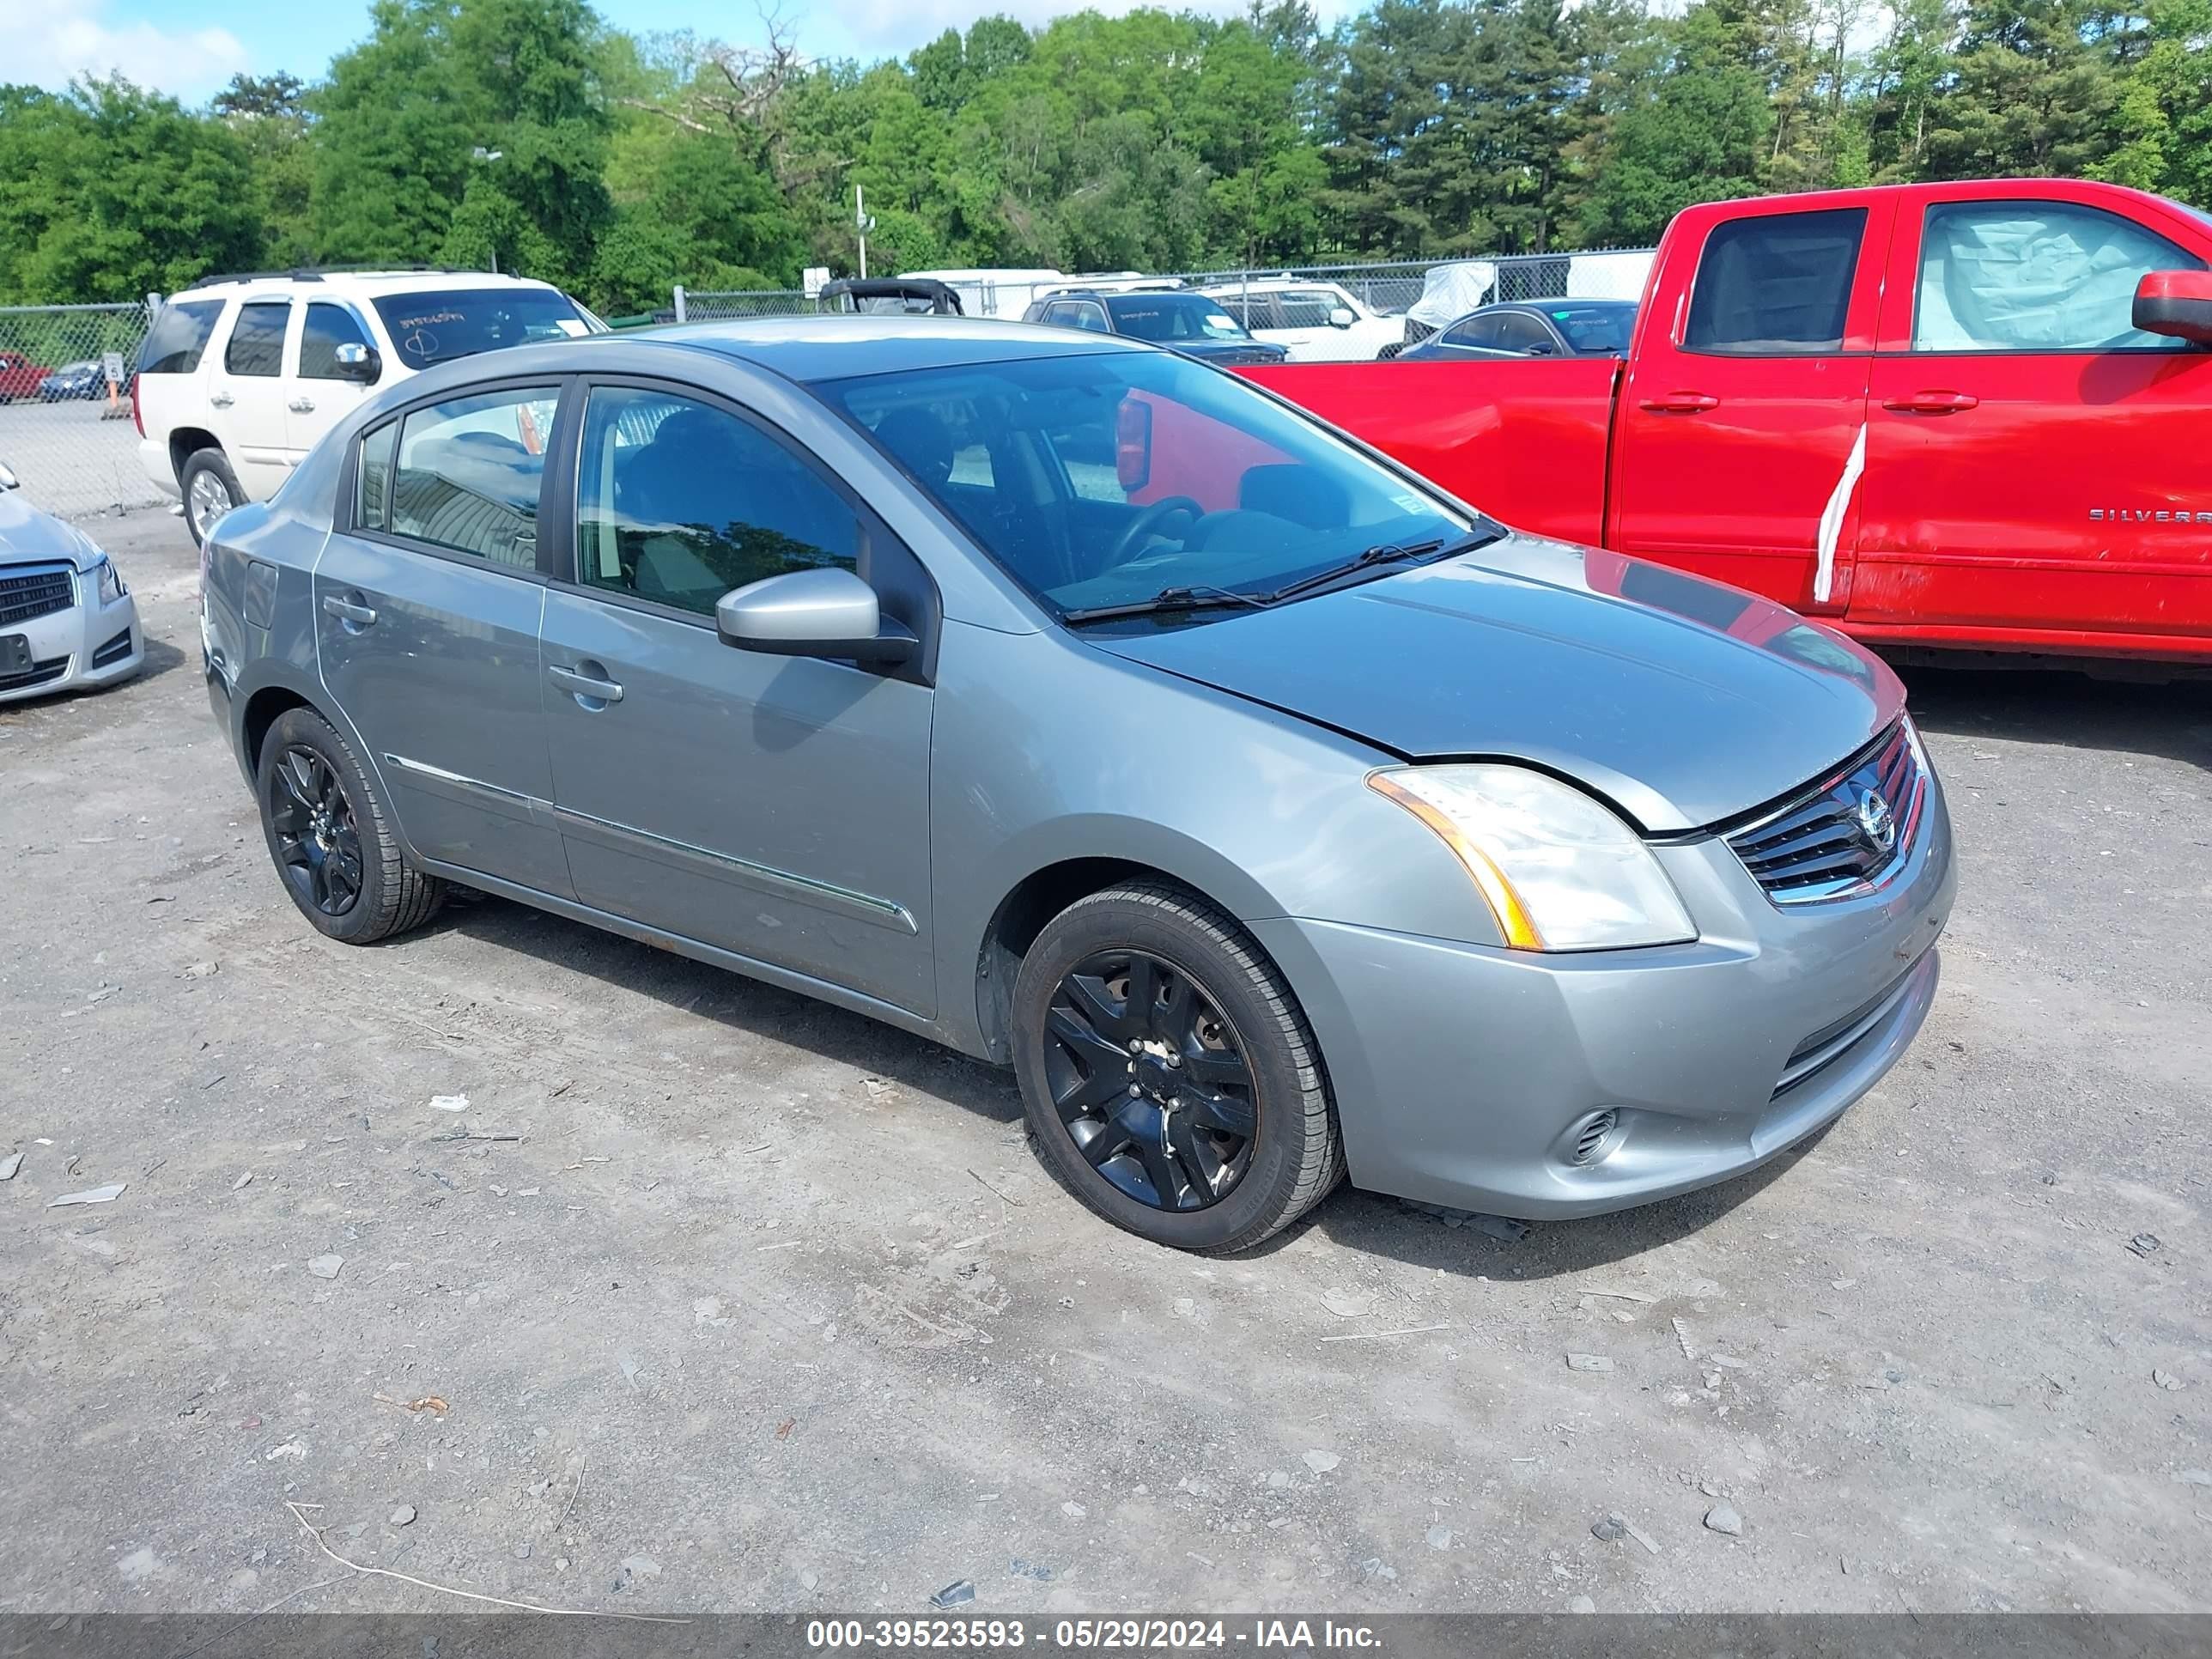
{"points": [[890, 296], [1959, 416], [73, 381], [1545, 328], [1269, 812], [1451, 290], [1178, 318], [67, 622], [1315, 322], [19, 376], [240, 375], [988, 292]]}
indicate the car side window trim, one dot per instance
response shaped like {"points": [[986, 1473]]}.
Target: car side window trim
{"points": [[554, 491], [882, 560]]}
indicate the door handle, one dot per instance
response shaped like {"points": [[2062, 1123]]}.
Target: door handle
{"points": [[222, 400], [347, 610], [1932, 403], [1679, 403], [584, 685], [302, 405]]}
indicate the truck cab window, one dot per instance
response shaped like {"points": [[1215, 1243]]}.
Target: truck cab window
{"points": [[2036, 276], [1775, 284]]}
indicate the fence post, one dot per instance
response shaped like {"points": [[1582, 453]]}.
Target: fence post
{"points": [[680, 303]]}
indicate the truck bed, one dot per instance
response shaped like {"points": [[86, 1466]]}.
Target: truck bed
{"points": [[1543, 470]]}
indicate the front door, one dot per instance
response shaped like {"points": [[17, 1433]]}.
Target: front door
{"points": [[427, 613], [247, 395], [776, 807], [2034, 461], [316, 396], [1740, 434]]}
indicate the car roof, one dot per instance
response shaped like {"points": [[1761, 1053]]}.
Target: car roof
{"points": [[839, 347], [370, 283]]}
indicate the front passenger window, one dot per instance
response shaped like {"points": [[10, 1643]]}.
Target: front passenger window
{"points": [[2036, 276], [678, 503]]}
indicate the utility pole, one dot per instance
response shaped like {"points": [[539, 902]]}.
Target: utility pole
{"points": [[864, 224]]}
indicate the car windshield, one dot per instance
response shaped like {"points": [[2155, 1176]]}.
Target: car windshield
{"points": [[1172, 316], [441, 325], [1108, 478], [1593, 329]]}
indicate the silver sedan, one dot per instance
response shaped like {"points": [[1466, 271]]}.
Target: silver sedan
{"points": [[1272, 815], [66, 619]]}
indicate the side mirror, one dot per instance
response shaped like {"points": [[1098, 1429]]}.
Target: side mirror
{"points": [[356, 362], [824, 612], [7, 479], [2176, 303], [1342, 317], [1541, 349]]}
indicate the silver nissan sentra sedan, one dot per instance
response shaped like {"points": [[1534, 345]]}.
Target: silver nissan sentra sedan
{"points": [[1273, 814]]}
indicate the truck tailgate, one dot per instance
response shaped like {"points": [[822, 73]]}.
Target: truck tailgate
{"points": [[1525, 438]]}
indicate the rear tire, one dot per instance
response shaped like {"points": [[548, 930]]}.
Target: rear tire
{"points": [[1101, 1080], [211, 489], [331, 833]]}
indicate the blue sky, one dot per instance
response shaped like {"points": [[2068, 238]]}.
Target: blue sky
{"points": [[191, 47]]}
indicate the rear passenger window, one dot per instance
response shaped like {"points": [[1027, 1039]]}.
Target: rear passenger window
{"points": [[679, 503], [1776, 285], [373, 478], [1480, 331], [257, 339], [178, 336], [468, 474]]}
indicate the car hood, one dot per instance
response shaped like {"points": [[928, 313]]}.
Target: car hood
{"points": [[30, 537], [1683, 702]]}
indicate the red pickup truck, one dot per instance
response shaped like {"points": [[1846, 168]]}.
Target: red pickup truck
{"points": [[1972, 415]]}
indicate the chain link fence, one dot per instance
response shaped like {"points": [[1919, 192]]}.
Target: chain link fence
{"points": [[66, 425]]}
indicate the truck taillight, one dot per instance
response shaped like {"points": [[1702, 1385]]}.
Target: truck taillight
{"points": [[138, 410]]}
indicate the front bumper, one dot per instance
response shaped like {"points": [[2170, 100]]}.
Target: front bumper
{"points": [[87, 646], [1464, 1075]]}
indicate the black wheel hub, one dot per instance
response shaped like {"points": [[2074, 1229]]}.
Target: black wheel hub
{"points": [[317, 842], [1150, 1081]]}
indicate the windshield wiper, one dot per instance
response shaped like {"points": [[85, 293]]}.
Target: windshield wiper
{"points": [[1168, 599], [1384, 553]]}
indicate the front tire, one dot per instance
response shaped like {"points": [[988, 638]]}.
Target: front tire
{"points": [[211, 489], [1170, 1079], [330, 834]]}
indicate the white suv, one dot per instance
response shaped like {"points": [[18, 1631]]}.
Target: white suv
{"points": [[1315, 322], [240, 375]]}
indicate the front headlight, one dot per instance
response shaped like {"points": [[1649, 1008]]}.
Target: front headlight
{"points": [[1559, 871], [111, 588]]}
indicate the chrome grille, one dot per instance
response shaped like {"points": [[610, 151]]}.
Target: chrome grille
{"points": [[41, 591], [1827, 843]]}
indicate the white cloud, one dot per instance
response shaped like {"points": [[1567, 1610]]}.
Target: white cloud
{"points": [[65, 38]]}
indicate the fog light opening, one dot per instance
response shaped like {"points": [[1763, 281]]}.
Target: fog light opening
{"points": [[1593, 1138]]}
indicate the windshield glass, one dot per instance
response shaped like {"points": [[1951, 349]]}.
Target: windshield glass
{"points": [[1103, 479], [443, 324], [1594, 328], [1171, 317]]}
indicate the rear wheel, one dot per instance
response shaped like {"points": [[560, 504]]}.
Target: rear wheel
{"points": [[211, 489], [331, 835], [1170, 1080]]}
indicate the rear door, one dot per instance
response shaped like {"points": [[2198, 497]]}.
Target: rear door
{"points": [[2033, 462], [317, 396], [1472, 338], [427, 603], [246, 394], [1740, 437]]}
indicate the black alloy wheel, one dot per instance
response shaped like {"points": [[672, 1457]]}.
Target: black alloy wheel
{"points": [[1150, 1080], [317, 838]]}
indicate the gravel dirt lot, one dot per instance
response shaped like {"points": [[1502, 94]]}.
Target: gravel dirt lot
{"points": [[724, 1300]]}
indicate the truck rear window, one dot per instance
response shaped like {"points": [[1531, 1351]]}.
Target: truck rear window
{"points": [[180, 334], [1775, 284]]}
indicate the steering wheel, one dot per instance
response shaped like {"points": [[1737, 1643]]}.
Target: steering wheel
{"points": [[1146, 521]]}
